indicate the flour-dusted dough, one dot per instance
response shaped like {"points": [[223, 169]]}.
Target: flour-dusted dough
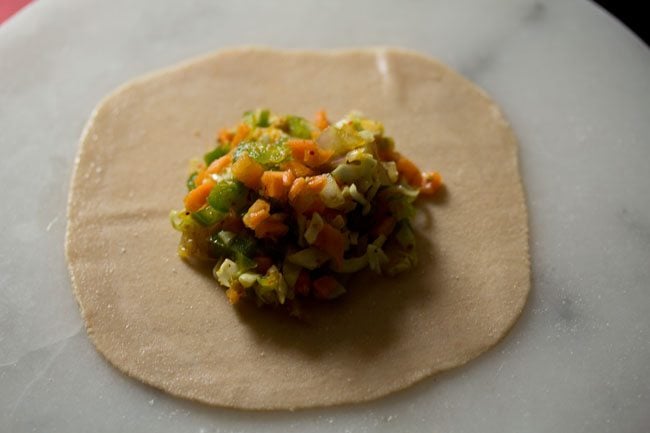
{"points": [[169, 325]]}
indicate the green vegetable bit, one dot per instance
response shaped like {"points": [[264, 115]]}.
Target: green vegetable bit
{"points": [[237, 247], [228, 194], [257, 118], [217, 153], [208, 216], [269, 154], [191, 184], [298, 127]]}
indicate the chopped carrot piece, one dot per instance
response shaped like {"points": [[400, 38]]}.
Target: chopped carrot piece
{"points": [[321, 120], [233, 295], [332, 242], [299, 185], [410, 171], [272, 185], [303, 283], [303, 194], [325, 286], [431, 182], [317, 157], [200, 177], [242, 131], [272, 227], [311, 158], [276, 184], [298, 168], [258, 212], [308, 152], [225, 136], [263, 264], [298, 148], [385, 226], [196, 198], [288, 177], [323, 156], [219, 164], [317, 183], [247, 171]]}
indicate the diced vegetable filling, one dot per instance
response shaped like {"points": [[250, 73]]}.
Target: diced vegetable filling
{"points": [[285, 209]]}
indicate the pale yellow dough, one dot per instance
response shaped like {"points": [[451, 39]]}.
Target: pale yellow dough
{"points": [[169, 325]]}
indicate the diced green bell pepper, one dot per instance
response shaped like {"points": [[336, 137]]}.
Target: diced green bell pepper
{"points": [[263, 118], [208, 216], [244, 244], [257, 118], [228, 194], [216, 153], [298, 127], [191, 184], [219, 243], [238, 248], [243, 247], [268, 154]]}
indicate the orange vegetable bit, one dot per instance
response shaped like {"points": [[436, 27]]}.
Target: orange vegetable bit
{"points": [[287, 178], [303, 283], [219, 164], [195, 199], [297, 188], [311, 158], [242, 132], [321, 120], [308, 152], [276, 184], [298, 168], [247, 171], [272, 227], [385, 226], [298, 148], [263, 264], [200, 177], [256, 214], [303, 195], [409, 171], [324, 287], [332, 242], [225, 136], [317, 157], [233, 295], [317, 183], [431, 182]]}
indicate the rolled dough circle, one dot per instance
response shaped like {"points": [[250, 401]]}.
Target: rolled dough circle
{"points": [[169, 325]]}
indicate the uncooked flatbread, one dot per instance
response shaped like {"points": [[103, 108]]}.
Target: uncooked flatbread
{"points": [[169, 325]]}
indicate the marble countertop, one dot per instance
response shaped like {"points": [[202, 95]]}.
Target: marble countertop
{"points": [[575, 85]]}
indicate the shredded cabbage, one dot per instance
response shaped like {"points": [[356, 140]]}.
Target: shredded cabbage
{"points": [[227, 272], [313, 229]]}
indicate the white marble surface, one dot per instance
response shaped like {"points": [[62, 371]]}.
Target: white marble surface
{"points": [[574, 83]]}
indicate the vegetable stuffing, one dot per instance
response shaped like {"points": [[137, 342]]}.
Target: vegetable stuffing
{"points": [[285, 209]]}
